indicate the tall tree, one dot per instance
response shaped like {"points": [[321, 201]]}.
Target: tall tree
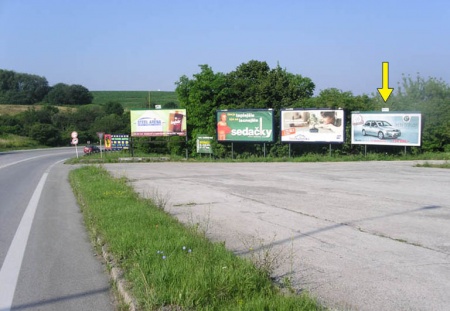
{"points": [[63, 94], [113, 107], [431, 97], [251, 85], [198, 96], [21, 88]]}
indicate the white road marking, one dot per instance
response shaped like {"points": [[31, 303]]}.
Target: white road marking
{"points": [[9, 273], [32, 158]]}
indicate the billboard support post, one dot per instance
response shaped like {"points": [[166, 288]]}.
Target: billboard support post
{"points": [[365, 150], [289, 150], [264, 150], [232, 151], [330, 150], [186, 147]]}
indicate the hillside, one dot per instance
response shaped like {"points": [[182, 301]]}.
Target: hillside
{"points": [[134, 99], [15, 109]]}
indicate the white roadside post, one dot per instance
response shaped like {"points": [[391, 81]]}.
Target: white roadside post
{"points": [[74, 136], [100, 136]]}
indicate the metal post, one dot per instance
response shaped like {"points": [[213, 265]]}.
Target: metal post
{"points": [[132, 147], [330, 150], [289, 150], [365, 150], [264, 150], [186, 147], [232, 151]]}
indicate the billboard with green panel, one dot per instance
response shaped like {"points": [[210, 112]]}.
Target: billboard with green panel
{"points": [[249, 125]]}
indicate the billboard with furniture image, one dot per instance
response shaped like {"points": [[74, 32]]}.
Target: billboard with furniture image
{"points": [[312, 125]]}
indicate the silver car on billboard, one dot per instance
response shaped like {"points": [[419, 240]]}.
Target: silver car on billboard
{"points": [[381, 129]]}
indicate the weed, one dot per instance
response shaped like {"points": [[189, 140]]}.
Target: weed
{"points": [[189, 272], [159, 199]]}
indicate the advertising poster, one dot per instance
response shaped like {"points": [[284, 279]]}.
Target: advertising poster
{"points": [[245, 125], [119, 142], [386, 128], [314, 125], [107, 142], [160, 122], [204, 144]]}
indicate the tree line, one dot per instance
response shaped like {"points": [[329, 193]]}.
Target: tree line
{"points": [[27, 89], [252, 85], [51, 126], [255, 85]]}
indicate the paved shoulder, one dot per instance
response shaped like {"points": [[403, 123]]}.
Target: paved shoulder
{"points": [[60, 270]]}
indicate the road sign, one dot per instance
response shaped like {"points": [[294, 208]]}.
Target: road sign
{"points": [[74, 141], [74, 134], [100, 135]]}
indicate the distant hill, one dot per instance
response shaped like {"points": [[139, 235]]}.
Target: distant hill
{"points": [[135, 99], [15, 109]]}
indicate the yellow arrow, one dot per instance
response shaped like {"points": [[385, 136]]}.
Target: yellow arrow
{"points": [[385, 91]]}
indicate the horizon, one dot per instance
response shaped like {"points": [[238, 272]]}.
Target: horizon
{"points": [[149, 45]]}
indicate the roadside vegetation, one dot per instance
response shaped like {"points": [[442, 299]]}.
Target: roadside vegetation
{"points": [[140, 156], [252, 85], [435, 165], [166, 264], [15, 142]]}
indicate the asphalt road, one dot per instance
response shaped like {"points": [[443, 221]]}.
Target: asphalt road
{"points": [[47, 261], [358, 236]]}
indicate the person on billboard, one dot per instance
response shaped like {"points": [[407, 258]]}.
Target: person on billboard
{"points": [[222, 127], [329, 120]]}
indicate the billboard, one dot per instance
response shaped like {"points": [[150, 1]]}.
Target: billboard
{"points": [[386, 128], [161, 122], [313, 125], [119, 141], [204, 144], [116, 142], [250, 125], [107, 142]]}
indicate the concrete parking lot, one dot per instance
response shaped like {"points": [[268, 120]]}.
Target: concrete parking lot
{"points": [[358, 236]]}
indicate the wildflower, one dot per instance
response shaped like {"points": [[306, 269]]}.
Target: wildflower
{"points": [[189, 250], [184, 247], [163, 257]]}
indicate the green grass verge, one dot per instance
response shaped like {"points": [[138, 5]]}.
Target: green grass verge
{"points": [[166, 263], [434, 165], [113, 157]]}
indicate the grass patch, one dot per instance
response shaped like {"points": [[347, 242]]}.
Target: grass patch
{"points": [[16, 142], [16, 109], [115, 156], [121, 156], [167, 264], [434, 165]]}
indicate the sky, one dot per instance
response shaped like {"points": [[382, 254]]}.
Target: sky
{"points": [[149, 44]]}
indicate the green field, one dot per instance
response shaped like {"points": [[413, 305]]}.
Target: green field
{"points": [[135, 99]]}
